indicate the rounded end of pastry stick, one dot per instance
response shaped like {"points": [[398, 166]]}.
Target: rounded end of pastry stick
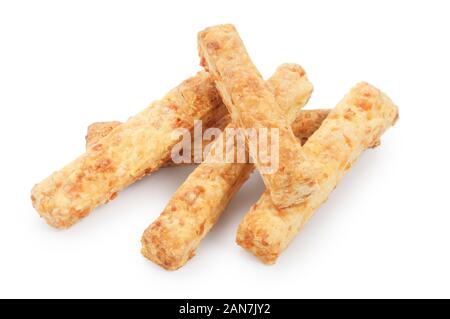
{"points": [[58, 218], [257, 243], [262, 234], [164, 248], [291, 86], [203, 37], [54, 210], [223, 28], [370, 99]]}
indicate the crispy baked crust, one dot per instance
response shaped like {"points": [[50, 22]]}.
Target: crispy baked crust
{"points": [[131, 150], [355, 124], [252, 105], [98, 130], [286, 83], [303, 127], [173, 238]]}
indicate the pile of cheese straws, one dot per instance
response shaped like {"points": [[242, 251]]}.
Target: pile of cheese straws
{"points": [[316, 148]]}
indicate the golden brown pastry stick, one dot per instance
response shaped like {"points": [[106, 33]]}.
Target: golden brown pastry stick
{"points": [[131, 150], [303, 127], [355, 124], [252, 105], [98, 130], [172, 239], [287, 84]]}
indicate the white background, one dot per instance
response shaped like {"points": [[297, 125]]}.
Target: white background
{"points": [[385, 231]]}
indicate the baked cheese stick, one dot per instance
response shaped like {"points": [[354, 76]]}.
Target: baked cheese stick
{"points": [[252, 105], [98, 130], [172, 239], [283, 83], [131, 150], [355, 124], [303, 127]]}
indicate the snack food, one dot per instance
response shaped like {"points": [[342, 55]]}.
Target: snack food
{"points": [[252, 105], [131, 150], [309, 152], [303, 127], [98, 130], [172, 239], [355, 124]]}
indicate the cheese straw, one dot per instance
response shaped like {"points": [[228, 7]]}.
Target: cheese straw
{"points": [[287, 175], [355, 124], [98, 130], [131, 150], [172, 239], [304, 125]]}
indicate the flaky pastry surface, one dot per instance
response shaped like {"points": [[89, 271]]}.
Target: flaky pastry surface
{"points": [[355, 124], [173, 238], [253, 105], [131, 150]]}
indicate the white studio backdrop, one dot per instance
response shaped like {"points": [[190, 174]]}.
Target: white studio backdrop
{"points": [[384, 231]]}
